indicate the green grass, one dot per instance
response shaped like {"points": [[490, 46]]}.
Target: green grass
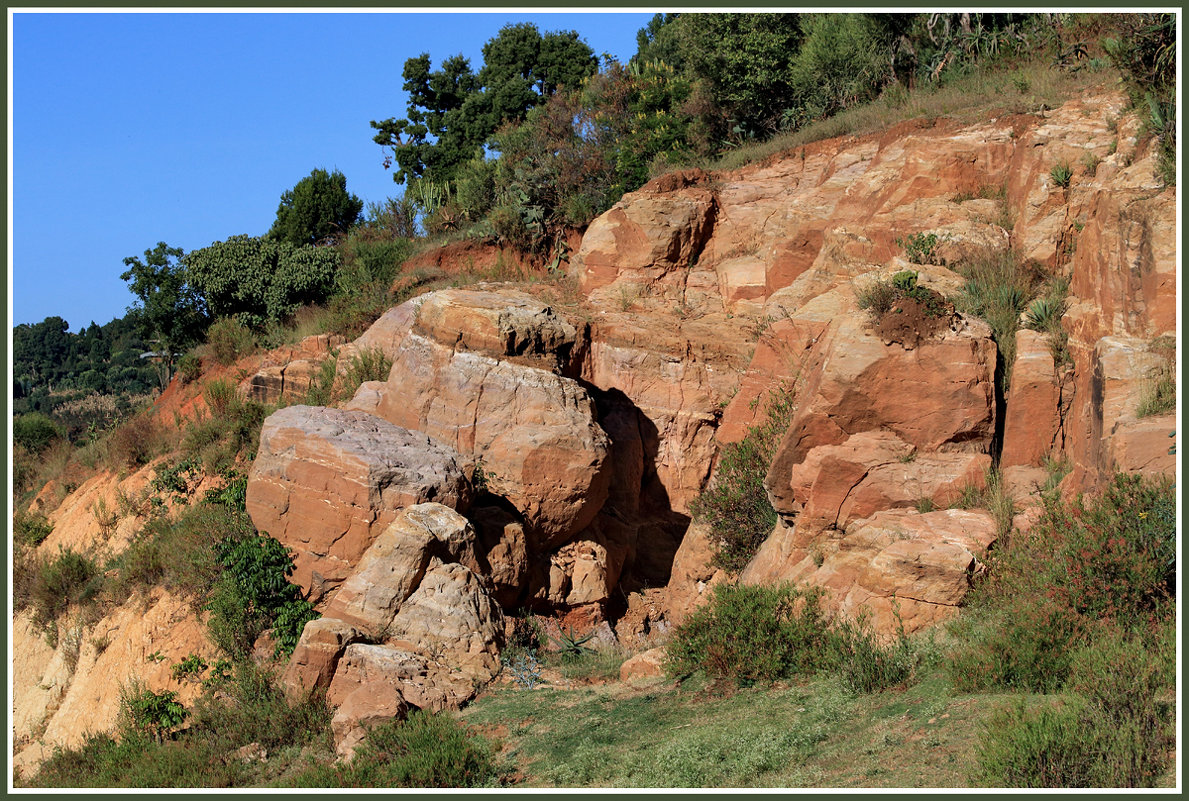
{"points": [[968, 98], [812, 734]]}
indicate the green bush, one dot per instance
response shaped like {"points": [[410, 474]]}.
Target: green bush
{"points": [[229, 340], [30, 529], [736, 505], [189, 368], [424, 751], [868, 665], [254, 595], [1099, 563], [747, 634], [919, 248], [999, 284], [1061, 174], [34, 431], [842, 62], [256, 279], [317, 208], [150, 713]]}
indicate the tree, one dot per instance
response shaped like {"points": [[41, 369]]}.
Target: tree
{"points": [[453, 111], [258, 279], [317, 208], [169, 310]]}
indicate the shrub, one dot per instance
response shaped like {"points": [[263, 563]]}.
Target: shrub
{"points": [[34, 431], [249, 706], [867, 665], [736, 505], [68, 578], [1061, 174], [229, 340], [30, 529], [919, 248], [747, 634], [256, 279], [1160, 395], [425, 751], [1097, 563], [150, 713], [189, 368], [254, 594], [136, 442]]}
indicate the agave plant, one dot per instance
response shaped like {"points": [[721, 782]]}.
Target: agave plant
{"points": [[571, 645], [1044, 314]]}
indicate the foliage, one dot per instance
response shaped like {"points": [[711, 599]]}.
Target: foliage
{"points": [[177, 553], [736, 505], [317, 209], [254, 594], [171, 311], [425, 751], [191, 666], [155, 714], [999, 285], [1108, 561], [1061, 174], [67, 578], [34, 431], [747, 634], [229, 340], [257, 279], [30, 529], [572, 646], [919, 247], [452, 111], [867, 665], [1144, 51], [524, 669], [844, 60]]}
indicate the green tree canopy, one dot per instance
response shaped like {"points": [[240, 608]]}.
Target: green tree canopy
{"points": [[169, 309], [453, 111], [258, 279], [317, 208]]}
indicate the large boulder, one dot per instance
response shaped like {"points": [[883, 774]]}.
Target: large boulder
{"points": [[396, 563], [326, 482], [897, 566], [532, 432]]}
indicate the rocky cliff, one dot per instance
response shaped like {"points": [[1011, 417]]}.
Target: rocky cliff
{"points": [[538, 446]]}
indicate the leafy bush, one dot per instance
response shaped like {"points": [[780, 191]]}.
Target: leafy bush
{"points": [[34, 431], [30, 529], [317, 208], [736, 505], [248, 705], [229, 340], [155, 714], [843, 61], [189, 368], [254, 594], [1096, 564], [747, 634], [919, 247], [425, 751]]}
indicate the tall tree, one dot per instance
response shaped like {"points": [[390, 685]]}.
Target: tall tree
{"points": [[453, 111], [316, 209], [169, 310]]}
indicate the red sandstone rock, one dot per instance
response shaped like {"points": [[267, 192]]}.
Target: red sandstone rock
{"points": [[326, 482]]}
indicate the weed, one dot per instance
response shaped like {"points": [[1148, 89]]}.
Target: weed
{"points": [[920, 248], [1090, 163], [747, 634], [925, 505], [736, 505], [867, 665], [1061, 175], [68, 578], [30, 529], [150, 713], [190, 668]]}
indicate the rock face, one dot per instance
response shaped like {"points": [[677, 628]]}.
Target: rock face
{"points": [[899, 565], [413, 626], [533, 432], [325, 482]]}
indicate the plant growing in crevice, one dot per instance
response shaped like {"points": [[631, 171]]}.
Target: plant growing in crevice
{"points": [[1061, 174], [736, 505]]}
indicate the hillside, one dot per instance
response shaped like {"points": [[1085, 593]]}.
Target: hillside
{"points": [[867, 365]]}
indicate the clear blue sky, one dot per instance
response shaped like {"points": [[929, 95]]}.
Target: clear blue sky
{"points": [[130, 129]]}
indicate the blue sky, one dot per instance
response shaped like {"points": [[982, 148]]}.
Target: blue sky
{"points": [[130, 129]]}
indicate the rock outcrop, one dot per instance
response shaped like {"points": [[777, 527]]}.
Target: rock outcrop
{"points": [[325, 482]]}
